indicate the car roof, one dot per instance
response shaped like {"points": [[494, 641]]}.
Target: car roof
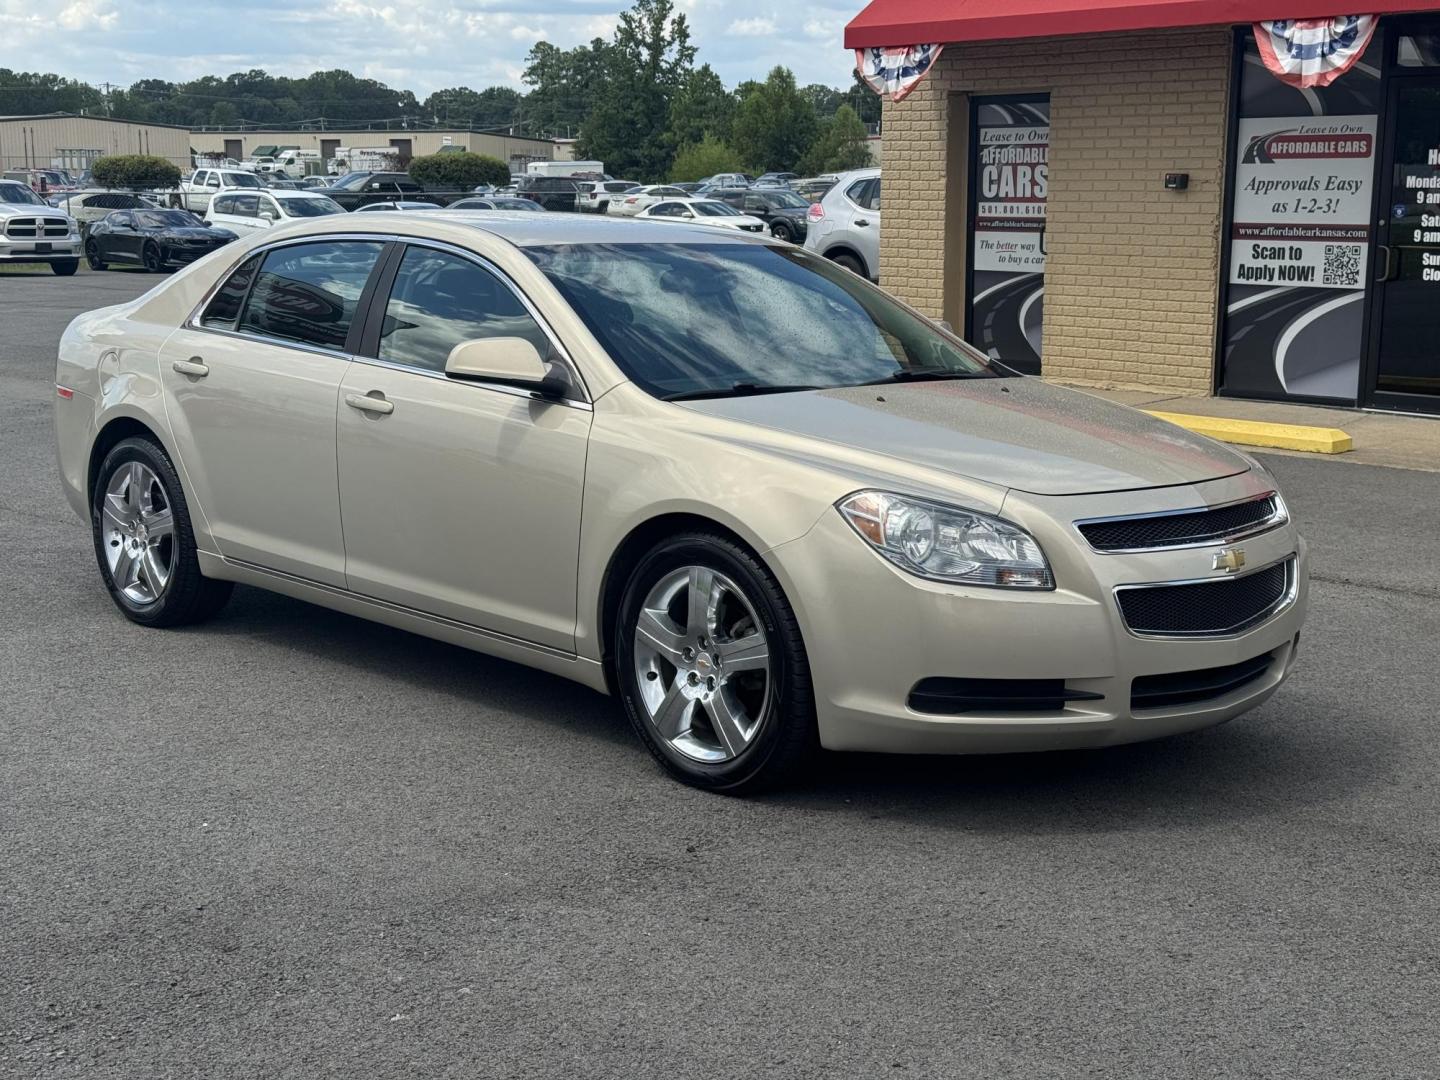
{"points": [[527, 230]]}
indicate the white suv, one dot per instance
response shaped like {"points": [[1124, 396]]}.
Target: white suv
{"points": [[246, 211], [845, 224]]}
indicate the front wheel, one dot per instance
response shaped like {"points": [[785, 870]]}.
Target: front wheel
{"points": [[92, 256], [782, 232], [712, 668], [144, 542], [66, 268], [154, 261]]}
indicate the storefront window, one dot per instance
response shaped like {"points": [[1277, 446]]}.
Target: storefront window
{"points": [[1303, 176], [1418, 50]]}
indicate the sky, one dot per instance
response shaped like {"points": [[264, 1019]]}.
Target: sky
{"points": [[420, 45]]}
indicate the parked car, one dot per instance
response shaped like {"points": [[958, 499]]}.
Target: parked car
{"points": [[314, 183], [551, 192], [398, 204], [246, 212], [783, 212], [358, 189], [154, 239], [496, 202], [42, 181], [725, 180], [32, 231], [596, 195], [549, 449], [775, 179], [202, 185], [632, 203], [845, 224], [701, 212], [88, 207]]}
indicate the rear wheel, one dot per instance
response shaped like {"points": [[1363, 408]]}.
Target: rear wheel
{"points": [[154, 261], [144, 543], [66, 268], [92, 255], [712, 668], [849, 262], [781, 231]]}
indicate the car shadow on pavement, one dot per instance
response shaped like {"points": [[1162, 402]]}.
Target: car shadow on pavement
{"points": [[1286, 756]]}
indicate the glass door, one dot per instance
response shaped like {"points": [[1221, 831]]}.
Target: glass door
{"points": [[1009, 185], [1406, 319]]}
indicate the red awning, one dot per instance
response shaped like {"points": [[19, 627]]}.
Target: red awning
{"points": [[939, 22]]}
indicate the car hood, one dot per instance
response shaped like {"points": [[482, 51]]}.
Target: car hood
{"points": [[1015, 433], [8, 209], [193, 233]]}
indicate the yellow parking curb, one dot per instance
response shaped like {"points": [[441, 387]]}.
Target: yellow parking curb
{"points": [[1315, 440]]}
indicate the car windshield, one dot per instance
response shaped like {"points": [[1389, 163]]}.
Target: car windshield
{"points": [[787, 198], [351, 181], [19, 193], [517, 204], [242, 179], [312, 207], [714, 209], [710, 319], [167, 219]]}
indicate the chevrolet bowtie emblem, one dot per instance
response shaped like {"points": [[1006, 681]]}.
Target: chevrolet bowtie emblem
{"points": [[1229, 560]]}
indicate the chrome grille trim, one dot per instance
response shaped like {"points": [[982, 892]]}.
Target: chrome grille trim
{"points": [[1287, 597], [1277, 516]]}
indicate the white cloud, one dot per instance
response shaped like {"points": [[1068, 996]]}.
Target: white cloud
{"points": [[87, 15], [751, 28]]}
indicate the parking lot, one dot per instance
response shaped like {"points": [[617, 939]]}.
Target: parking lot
{"points": [[289, 843]]}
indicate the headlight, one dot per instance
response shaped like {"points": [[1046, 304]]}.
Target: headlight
{"points": [[947, 543]]}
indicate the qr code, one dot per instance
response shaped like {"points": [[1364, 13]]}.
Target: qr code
{"points": [[1342, 265]]}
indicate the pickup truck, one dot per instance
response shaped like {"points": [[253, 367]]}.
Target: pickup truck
{"points": [[32, 231], [199, 188]]}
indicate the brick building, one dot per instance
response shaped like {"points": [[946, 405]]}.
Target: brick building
{"points": [[1127, 195]]}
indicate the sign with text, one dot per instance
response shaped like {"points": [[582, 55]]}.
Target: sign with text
{"points": [[1303, 190], [1012, 180]]}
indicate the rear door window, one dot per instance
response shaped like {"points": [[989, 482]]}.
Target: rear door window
{"points": [[308, 293], [224, 308]]}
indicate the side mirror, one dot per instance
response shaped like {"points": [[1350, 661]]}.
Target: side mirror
{"points": [[268, 214], [513, 361]]}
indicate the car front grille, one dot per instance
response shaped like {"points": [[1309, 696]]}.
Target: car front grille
{"points": [[37, 228], [1207, 608], [1191, 687], [1184, 528]]}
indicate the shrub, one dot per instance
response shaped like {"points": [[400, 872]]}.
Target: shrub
{"points": [[138, 172], [702, 159], [459, 171]]}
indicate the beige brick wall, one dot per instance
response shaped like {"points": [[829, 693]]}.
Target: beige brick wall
{"points": [[1131, 269]]}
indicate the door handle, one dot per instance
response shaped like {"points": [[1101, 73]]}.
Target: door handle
{"points": [[1389, 259], [862, 221], [194, 366], [369, 404]]}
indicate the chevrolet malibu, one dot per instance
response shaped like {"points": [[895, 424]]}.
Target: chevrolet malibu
{"points": [[744, 490]]}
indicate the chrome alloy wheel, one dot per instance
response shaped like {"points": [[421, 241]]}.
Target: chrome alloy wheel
{"points": [[138, 530], [702, 663]]}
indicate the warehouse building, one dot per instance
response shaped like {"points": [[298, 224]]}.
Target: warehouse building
{"points": [[73, 142], [1238, 198], [405, 143]]}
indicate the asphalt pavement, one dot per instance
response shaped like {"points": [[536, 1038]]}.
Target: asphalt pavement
{"points": [[289, 843]]}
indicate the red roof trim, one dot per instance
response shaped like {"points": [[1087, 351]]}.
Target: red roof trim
{"points": [[939, 22]]}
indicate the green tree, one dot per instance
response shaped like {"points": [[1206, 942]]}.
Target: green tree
{"points": [[840, 145], [702, 106], [139, 172], [563, 86], [647, 62], [823, 99], [863, 100], [493, 107], [459, 171], [774, 125], [705, 158]]}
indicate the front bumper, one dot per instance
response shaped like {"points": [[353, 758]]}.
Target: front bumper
{"points": [[26, 250], [873, 633]]}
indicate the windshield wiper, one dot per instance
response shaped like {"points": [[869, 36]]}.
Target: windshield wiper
{"points": [[910, 375], [739, 389]]}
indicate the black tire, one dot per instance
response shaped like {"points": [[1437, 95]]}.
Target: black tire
{"points": [[189, 596], [849, 262], [782, 232], [92, 256], [65, 269], [153, 259], [787, 741]]}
